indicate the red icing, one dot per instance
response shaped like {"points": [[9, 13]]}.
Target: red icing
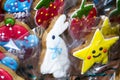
{"points": [[89, 57], [43, 15], [1, 55], [81, 27], [4, 75], [105, 50], [14, 32]]}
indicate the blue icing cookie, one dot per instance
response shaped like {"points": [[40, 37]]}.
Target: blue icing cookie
{"points": [[17, 6], [29, 42], [10, 62]]}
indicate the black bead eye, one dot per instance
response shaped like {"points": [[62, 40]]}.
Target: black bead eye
{"points": [[101, 48], [93, 51], [53, 37]]}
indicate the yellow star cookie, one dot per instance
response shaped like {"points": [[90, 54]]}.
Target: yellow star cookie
{"points": [[96, 52], [107, 29]]}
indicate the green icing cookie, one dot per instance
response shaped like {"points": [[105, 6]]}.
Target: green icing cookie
{"points": [[43, 3], [83, 10]]}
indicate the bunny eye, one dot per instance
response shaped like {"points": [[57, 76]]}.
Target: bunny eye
{"points": [[53, 37]]}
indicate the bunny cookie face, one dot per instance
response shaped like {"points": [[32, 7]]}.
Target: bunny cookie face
{"points": [[20, 8], [56, 60]]}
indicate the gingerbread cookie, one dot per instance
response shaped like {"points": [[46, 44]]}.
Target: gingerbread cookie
{"points": [[20, 8], [96, 51], [83, 20], [54, 56], [16, 36], [8, 74], [47, 9]]}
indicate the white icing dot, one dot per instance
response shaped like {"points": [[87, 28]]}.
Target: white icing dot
{"points": [[13, 7], [19, 32], [2, 37], [31, 45], [16, 8], [24, 5], [15, 3], [10, 28], [2, 77], [25, 37], [3, 34], [11, 4], [32, 41], [9, 10]]}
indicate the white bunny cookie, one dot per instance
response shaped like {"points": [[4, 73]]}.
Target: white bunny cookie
{"points": [[54, 55]]}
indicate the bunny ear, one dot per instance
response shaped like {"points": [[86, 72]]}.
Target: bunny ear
{"points": [[60, 25]]}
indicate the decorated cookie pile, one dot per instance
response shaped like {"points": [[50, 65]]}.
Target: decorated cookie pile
{"points": [[59, 39]]}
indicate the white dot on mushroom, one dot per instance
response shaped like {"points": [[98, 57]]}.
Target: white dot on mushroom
{"points": [[19, 32]]}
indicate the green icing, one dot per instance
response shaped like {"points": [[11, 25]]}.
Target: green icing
{"points": [[10, 21], [116, 11], [83, 10], [43, 3]]}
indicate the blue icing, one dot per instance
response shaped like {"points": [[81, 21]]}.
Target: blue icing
{"points": [[4, 43], [10, 62], [29, 42], [17, 6], [56, 50], [96, 1]]}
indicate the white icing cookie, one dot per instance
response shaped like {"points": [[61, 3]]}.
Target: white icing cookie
{"points": [[56, 59]]}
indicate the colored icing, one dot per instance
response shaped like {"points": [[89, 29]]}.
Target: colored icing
{"points": [[83, 10], [43, 3], [107, 29], [4, 75], [13, 6], [2, 55], [56, 50], [83, 20], [56, 60], [96, 52], [12, 31], [10, 62], [116, 11], [28, 42], [43, 14]]}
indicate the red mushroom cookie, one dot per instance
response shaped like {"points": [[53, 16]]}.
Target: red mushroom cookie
{"points": [[12, 30]]}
